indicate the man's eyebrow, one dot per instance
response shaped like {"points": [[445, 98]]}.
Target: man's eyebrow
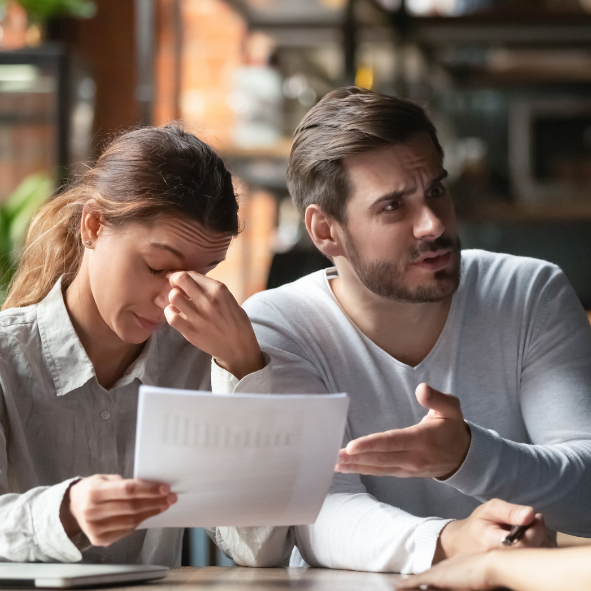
{"points": [[174, 251], [392, 195], [439, 178]]}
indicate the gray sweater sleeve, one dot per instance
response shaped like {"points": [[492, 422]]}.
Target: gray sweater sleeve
{"points": [[553, 472]]}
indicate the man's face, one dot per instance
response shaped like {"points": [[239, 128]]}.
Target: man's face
{"points": [[400, 237]]}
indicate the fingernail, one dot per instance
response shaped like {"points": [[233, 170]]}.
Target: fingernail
{"points": [[524, 513], [164, 489], [172, 499]]}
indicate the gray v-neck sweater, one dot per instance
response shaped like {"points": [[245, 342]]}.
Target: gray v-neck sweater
{"points": [[516, 351]]}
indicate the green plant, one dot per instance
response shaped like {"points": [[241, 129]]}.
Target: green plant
{"points": [[15, 214], [41, 10]]}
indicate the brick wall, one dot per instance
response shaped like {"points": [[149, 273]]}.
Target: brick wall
{"points": [[107, 43]]}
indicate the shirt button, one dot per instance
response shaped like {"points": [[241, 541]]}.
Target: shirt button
{"points": [[105, 415]]}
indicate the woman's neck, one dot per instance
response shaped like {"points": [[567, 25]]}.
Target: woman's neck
{"points": [[109, 355]]}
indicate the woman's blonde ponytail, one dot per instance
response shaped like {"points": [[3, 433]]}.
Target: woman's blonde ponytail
{"points": [[53, 248]]}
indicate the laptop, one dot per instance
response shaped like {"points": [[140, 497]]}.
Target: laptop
{"points": [[68, 576]]}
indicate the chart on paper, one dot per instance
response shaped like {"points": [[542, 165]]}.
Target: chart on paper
{"points": [[238, 460], [183, 431]]}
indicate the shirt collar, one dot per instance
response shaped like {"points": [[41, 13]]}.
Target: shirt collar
{"points": [[68, 362]]}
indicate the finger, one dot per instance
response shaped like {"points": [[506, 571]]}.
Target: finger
{"points": [[193, 284], [376, 458], [426, 580], [178, 320], [371, 470], [412, 582], [111, 530], [535, 536], [444, 405], [182, 303], [501, 512], [107, 477], [110, 509], [388, 441], [130, 489]]}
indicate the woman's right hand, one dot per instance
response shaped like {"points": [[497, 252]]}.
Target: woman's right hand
{"points": [[107, 508], [205, 312]]}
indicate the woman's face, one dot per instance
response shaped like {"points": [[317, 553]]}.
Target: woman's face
{"points": [[128, 268]]}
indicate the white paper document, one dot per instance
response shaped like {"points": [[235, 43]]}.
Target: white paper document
{"points": [[240, 460]]}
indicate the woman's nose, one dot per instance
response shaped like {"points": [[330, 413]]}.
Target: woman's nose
{"points": [[161, 299]]}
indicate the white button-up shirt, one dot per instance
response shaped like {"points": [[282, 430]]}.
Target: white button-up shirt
{"points": [[58, 423]]}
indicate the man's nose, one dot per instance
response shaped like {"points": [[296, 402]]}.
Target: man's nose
{"points": [[428, 225]]}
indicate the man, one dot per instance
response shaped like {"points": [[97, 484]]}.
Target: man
{"points": [[469, 373]]}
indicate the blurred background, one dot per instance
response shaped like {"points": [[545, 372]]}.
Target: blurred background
{"points": [[507, 83]]}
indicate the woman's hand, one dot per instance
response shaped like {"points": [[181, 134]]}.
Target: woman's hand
{"points": [[474, 572], [107, 508], [521, 570], [207, 315]]}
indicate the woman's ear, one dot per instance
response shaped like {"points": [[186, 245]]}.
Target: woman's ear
{"points": [[325, 231], [90, 228]]}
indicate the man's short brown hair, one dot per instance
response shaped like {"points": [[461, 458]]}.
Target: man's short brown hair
{"points": [[346, 121]]}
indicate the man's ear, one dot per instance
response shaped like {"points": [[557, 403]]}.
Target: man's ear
{"points": [[90, 227], [325, 231]]}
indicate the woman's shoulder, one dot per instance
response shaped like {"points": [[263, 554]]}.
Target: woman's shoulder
{"points": [[18, 323]]}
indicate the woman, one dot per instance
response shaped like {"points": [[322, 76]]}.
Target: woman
{"points": [[98, 306]]}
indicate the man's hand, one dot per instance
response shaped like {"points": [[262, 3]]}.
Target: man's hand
{"points": [[486, 528], [207, 315], [434, 448], [107, 508]]}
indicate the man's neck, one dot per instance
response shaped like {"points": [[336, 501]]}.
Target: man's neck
{"points": [[110, 356], [406, 331]]}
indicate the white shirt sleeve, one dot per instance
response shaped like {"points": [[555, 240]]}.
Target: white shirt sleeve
{"points": [[354, 530], [553, 473]]}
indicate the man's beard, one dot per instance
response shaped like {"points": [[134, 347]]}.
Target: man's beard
{"points": [[386, 279]]}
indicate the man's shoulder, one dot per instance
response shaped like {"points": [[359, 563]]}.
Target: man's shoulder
{"points": [[301, 295], [507, 283], [491, 267]]}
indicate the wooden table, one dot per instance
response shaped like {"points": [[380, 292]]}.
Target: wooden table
{"points": [[216, 578]]}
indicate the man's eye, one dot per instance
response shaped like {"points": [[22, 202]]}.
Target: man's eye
{"points": [[155, 271], [393, 206], [437, 191]]}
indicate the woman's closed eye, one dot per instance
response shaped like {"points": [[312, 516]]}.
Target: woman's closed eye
{"points": [[155, 271]]}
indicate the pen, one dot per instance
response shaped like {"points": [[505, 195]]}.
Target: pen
{"points": [[515, 534]]}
